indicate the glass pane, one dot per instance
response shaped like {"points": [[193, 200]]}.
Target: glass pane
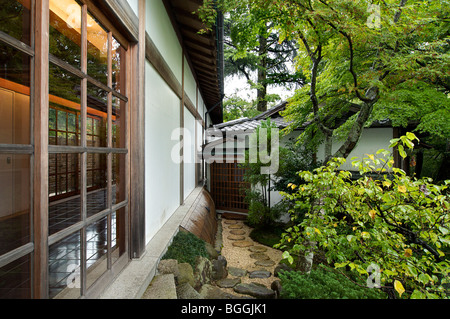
{"points": [[64, 109], [14, 96], [15, 17], [117, 234], [15, 279], [118, 123], [64, 191], [96, 250], [97, 57], [97, 102], [64, 267], [96, 187], [118, 67], [65, 31], [14, 201], [118, 178]]}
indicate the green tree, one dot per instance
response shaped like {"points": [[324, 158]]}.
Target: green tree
{"points": [[397, 223], [356, 55]]}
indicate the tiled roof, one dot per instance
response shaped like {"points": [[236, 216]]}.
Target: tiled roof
{"points": [[246, 125]]}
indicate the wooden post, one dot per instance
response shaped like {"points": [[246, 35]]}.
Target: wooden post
{"points": [[40, 189], [137, 200], [182, 137]]}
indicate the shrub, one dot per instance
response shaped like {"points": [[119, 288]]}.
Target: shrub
{"points": [[185, 248], [324, 283]]}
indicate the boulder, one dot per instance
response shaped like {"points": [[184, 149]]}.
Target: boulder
{"points": [[203, 272], [212, 292], [186, 274], [219, 268], [276, 286], [212, 252]]}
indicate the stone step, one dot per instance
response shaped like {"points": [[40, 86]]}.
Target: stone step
{"points": [[161, 287]]}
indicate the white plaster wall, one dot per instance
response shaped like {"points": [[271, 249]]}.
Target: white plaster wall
{"points": [[190, 86], [160, 30], [162, 174], [189, 153], [371, 140]]}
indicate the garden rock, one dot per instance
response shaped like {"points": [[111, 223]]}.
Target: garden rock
{"points": [[219, 268], [212, 252], [236, 226], [203, 272], [259, 274], [168, 266], [237, 232], [277, 288], [186, 291], [256, 290], [186, 274], [212, 292]]}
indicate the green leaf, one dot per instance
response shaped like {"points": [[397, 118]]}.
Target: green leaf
{"points": [[417, 294]]}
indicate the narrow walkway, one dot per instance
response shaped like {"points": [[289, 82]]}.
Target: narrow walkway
{"points": [[248, 261]]}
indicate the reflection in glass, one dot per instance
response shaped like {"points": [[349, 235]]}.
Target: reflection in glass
{"points": [[118, 178], [65, 31], [14, 201], [97, 58], [15, 279], [118, 67], [97, 101], [14, 96], [15, 17], [64, 191], [118, 123], [64, 266], [96, 183], [118, 234], [96, 250]]}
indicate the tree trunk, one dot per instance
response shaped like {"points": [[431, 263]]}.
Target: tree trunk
{"points": [[328, 147], [262, 75], [366, 109]]}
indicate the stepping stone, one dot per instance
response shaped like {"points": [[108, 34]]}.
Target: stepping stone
{"points": [[258, 249], [260, 274], [259, 256], [237, 272], [265, 263], [255, 290], [228, 282], [237, 232], [236, 237], [230, 222], [242, 243], [236, 226]]}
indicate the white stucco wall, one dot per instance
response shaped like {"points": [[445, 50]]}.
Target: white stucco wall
{"points": [[134, 4], [189, 153], [162, 175], [160, 30], [371, 140]]}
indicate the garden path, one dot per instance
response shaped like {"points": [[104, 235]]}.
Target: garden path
{"points": [[249, 261]]}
